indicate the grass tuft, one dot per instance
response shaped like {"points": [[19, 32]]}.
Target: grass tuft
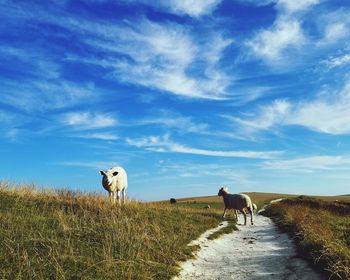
{"points": [[231, 226], [321, 230]]}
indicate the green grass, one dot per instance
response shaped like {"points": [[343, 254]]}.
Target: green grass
{"points": [[225, 230], [48, 235], [321, 230]]}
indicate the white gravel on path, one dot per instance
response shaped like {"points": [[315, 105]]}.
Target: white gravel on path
{"points": [[256, 251]]}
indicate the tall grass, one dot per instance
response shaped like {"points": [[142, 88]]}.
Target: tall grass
{"points": [[321, 230], [64, 235]]}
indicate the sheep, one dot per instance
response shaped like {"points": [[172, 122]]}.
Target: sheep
{"points": [[237, 202], [255, 208], [115, 180], [173, 200], [206, 206]]}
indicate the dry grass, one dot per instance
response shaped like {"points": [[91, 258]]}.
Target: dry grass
{"points": [[321, 230], [64, 235]]}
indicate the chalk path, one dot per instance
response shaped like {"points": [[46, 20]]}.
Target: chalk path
{"points": [[254, 252]]}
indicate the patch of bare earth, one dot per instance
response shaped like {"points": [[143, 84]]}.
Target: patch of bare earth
{"points": [[253, 252]]}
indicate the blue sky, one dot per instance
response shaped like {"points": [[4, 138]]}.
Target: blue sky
{"points": [[186, 95]]}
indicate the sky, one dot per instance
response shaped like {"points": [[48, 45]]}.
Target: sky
{"points": [[186, 95]]}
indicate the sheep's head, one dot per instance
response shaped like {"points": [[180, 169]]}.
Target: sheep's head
{"points": [[222, 191], [108, 176]]}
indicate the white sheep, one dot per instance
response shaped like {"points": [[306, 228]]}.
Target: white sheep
{"points": [[237, 202], [115, 180]]}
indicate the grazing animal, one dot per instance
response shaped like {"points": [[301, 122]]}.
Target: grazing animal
{"points": [[206, 206], [172, 200], [237, 202], [115, 180]]}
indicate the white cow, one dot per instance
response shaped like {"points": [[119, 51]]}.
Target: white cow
{"points": [[115, 180]]}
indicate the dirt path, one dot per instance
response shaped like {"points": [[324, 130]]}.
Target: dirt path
{"points": [[253, 252]]}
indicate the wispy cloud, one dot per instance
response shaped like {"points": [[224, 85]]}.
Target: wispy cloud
{"points": [[88, 120], [172, 120], [273, 44], [164, 144], [308, 164], [222, 172], [337, 61], [327, 113], [42, 95], [190, 7], [96, 165], [334, 27], [162, 57], [292, 6], [99, 136]]}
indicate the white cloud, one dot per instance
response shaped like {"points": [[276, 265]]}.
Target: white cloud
{"points": [[219, 171], [327, 113], [324, 115], [337, 61], [87, 120], [308, 164], [42, 95], [100, 136], [96, 165], [170, 119], [192, 8], [334, 28], [290, 6], [272, 44], [159, 56], [269, 116], [165, 144], [286, 6]]}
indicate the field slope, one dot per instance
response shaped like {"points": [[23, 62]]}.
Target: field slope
{"points": [[321, 230], [47, 235]]}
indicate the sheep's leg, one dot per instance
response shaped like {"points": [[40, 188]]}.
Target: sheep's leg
{"points": [[111, 195], [245, 216], [114, 195], [124, 195], [251, 215], [236, 215], [118, 196], [223, 215]]}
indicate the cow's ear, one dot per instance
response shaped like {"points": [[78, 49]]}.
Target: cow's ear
{"points": [[102, 173], [115, 173]]}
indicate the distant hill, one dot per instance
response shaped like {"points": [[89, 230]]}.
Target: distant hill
{"points": [[258, 198]]}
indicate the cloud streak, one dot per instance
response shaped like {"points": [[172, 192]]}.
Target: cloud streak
{"points": [[165, 145], [328, 113], [309, 164], [88, 120]]}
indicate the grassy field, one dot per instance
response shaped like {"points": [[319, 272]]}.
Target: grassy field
{"points": [[62, 235], [258, 198], [321, 229], [65, 235]]}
